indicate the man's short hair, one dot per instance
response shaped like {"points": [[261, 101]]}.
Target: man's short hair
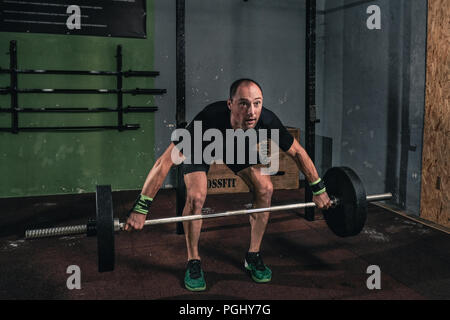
{"points": [[235, 85]]}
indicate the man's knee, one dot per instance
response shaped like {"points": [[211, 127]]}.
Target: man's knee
{"points": [[264, 191], [195, 200]]}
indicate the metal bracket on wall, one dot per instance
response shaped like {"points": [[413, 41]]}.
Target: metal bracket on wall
{"points": [[313, 114], [14, 91]]}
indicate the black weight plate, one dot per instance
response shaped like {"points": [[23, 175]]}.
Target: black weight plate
{"points": [[105, 229], [348, 218]]}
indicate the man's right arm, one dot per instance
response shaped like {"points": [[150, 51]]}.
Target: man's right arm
{"points": [[152, 184], [172, 156]]}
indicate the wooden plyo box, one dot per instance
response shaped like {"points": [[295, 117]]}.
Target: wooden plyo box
{"points": [[222, 180]]}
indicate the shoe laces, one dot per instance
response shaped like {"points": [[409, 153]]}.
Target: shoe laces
{"points": [[257, 260], [195, 269]]}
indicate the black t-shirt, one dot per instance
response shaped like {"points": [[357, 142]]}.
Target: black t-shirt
{"points": [[217, 116]]}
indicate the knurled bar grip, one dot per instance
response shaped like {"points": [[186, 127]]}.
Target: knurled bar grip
{"points": [[56, 231]]}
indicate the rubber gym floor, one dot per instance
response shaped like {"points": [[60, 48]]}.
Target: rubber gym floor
{"points": [[307, 260]]}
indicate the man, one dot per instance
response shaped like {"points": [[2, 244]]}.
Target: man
{"points": [[243, 110]]}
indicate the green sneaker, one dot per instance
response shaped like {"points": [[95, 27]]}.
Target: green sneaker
{"points": [[260, 272], [194, 279]]}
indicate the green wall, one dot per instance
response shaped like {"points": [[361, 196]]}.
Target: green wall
{"points": [[47, 163]]}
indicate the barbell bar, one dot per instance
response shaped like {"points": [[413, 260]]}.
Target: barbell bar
{"points": [[127, 74], [335, 202], [129, 109], [345, 218], [137, 91]]}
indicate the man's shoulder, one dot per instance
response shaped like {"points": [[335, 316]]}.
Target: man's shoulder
{"points": [[267, 112], [215, 107], [267, 116], [215, 115]]}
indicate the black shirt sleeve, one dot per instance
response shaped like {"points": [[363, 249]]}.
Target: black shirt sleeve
{"points": [[190, 128], [285, 138], [199, 117]]}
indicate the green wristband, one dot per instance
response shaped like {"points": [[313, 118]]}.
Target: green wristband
{"points": [[317, 187], [315, 182], [320, 192], [142, 204]]}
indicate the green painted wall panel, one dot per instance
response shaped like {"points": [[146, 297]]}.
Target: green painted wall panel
{"points": [[46, 163]]}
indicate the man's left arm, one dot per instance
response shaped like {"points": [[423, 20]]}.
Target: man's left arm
{"points": [[306, 166]]}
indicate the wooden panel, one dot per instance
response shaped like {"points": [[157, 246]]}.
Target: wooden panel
{"points": [[436, 144], [222, 180]]}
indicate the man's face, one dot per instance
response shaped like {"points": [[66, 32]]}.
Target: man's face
{"points": [[246, 106]]}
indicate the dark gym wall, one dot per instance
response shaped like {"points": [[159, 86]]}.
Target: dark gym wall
{"points": [[42, 163], [224, 40], [263, 40], [368, 81], [374, 94]]}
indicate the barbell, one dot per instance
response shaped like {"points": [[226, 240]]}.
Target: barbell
{"points": [[345, 218]]}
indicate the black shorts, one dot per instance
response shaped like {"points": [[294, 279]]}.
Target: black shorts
{"points": [[189, 168]]}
